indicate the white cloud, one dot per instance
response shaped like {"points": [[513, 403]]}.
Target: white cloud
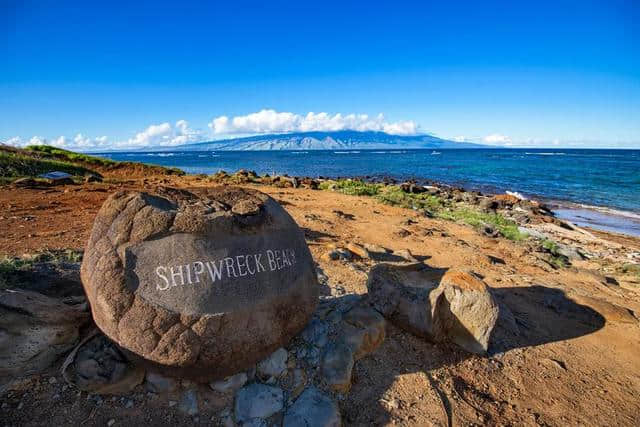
{"points": [[163, 134], [496, 138], [271, 121], [79, 142], [262, 122]]}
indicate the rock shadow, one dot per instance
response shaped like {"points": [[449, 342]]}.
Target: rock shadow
{"points": [[315, 235], [529, 316], [536, 315]]}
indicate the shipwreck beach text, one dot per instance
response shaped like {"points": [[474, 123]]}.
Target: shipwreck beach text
{"points": [[210, 271]]}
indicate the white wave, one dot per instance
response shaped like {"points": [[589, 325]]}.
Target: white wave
{"points": [[546, 154], [516, 194]]}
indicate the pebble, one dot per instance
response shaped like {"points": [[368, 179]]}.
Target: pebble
{"points": [[159, 383], [337, 365], [111, 422], [189, 403], [258, 401], [274, 365], [316, 333], [172, 403], [312, 409], [129, 404], [229, 384]]}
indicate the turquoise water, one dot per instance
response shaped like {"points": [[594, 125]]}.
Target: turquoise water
{"points": [[605, 178]]}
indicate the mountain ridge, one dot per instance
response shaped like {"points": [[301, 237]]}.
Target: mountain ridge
{"points": [[317, 140]]}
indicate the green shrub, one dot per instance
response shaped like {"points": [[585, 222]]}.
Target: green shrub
{"points": [[16, 165], [557, 259], [476, 218], [393, 195], [353, 187], [71, 156]]}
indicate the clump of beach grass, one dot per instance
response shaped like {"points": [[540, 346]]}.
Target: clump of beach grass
{"points": [[352, 187], [12, 265], [557, 259], [70, 156], [13, 165]]}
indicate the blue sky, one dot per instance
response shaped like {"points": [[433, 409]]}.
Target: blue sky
{"points": [[132, 74]]}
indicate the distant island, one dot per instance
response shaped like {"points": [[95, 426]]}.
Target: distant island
{"points": [[338, 140]]}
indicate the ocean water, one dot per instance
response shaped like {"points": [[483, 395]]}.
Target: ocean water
{"points": [[605, 180]]}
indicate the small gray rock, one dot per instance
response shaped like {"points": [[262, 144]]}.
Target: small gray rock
{"points": [[255, 422], [159, 383], [274, 365], [337, 365], [313, 409], [229, 384], [189, 403], [316, 333], [258, 401]]}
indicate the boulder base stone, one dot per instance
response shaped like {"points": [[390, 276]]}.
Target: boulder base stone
{"points": [[435, 304], [34, 331], [313, 409], [206, 282]]}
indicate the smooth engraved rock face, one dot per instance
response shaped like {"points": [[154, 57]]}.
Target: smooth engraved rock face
{"points": [[206, 282]]}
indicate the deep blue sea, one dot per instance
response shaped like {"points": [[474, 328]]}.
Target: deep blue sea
{"points": [[596, 178]]}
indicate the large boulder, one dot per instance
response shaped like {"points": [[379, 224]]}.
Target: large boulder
{"points": [[436, 304], [205, 282], [34, 331]]}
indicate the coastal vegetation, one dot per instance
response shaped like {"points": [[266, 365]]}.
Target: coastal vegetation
{"points": [[557, 258], [35, 160], [16, 165], [12, 266], [69, 156], [429, 204]]}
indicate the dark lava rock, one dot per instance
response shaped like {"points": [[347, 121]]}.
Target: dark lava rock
{"points": [[205, 282]]}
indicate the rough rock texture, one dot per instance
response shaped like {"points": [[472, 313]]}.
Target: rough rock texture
{"points": [[229, 384], [435, 304], [205, 283], [313, 409], [96, 365], [337, 365], [465, 310], [34, 331], [258, 401], [363, 330], [273, 365]]}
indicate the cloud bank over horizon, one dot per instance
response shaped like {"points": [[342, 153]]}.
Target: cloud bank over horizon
{"points": [[269, 121], [265, 121]]}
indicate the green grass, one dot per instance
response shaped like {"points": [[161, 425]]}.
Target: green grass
{"points": [[631, 269], [424, 202], [393, 195], [60, 154], [12, 265], [70, 156], [557, 259], [479, 219], [353, 187], [13, 165]]}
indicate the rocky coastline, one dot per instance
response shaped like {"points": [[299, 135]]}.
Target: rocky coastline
{"points": [[544, 304]]}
